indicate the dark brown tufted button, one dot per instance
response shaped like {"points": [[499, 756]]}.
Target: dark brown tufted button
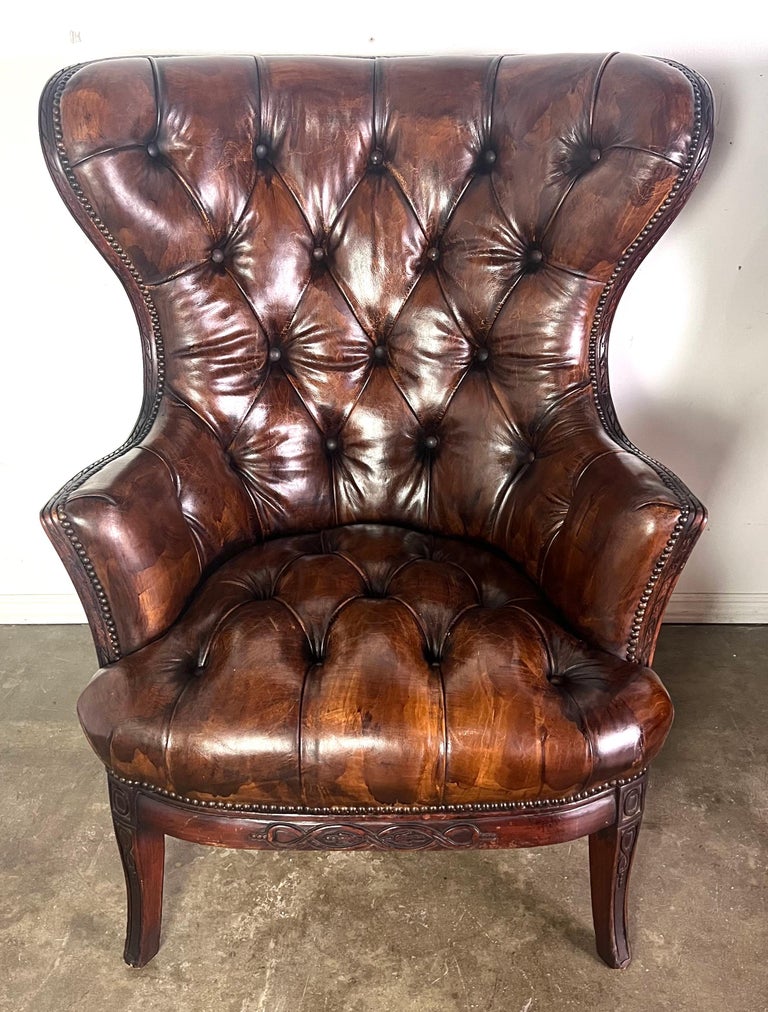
{"points": [[482, 354], [275, 354], [331, 444], [318, 254], [534, 257], [430, 442], [217, 256], [380, 352], [152, 149], [530, 456], [489, 156], [433, 254], [595, 154], [261, 151], [377, 157]]}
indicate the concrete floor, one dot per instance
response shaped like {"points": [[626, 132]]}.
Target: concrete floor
{"points": [[498, 932]]}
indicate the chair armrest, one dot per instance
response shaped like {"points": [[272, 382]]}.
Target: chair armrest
{"points": [[613, 563], [137, 530]]}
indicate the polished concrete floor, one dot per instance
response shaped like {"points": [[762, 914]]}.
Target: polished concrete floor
{"points": [[351, 932]]}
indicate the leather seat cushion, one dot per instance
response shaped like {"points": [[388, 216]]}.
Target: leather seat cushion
{"points": [[372, 665]]}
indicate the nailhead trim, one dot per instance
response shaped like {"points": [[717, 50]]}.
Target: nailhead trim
{"points": [[499, 806], [147, 420], [595, 356], [598, 357]]}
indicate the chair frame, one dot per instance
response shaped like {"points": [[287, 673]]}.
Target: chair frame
{"points": [[143, 815], [610, 816]]}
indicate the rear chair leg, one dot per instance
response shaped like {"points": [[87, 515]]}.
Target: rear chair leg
{"points": [[142, 850], [611, 851]]}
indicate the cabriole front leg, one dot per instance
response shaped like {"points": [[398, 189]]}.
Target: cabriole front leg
{"points": [[611, 852], [142, 850]]}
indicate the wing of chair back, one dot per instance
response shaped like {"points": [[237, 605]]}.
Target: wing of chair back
{"points": [[380, 292], [330, 185]]}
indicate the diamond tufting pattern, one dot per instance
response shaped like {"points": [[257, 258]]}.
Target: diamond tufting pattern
{"points": [[375, 298]]}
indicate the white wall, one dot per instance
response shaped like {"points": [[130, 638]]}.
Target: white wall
{"points": [[689, 350]]}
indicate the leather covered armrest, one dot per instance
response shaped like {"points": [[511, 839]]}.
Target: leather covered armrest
{"points": [[138, 530], [614, 561]]}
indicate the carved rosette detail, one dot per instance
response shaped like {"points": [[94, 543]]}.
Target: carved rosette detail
{"points": [[122, 801], [633, 802], [405, 836]]}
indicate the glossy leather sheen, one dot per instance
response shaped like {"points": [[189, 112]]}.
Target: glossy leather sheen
{"points": [[373, 665], [374, 296]]}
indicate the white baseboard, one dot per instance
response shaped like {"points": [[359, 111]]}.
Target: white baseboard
{"points": [[718, 609]]}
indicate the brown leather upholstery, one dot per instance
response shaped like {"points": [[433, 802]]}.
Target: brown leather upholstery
{"points": [[374, 296], [373, 665]]}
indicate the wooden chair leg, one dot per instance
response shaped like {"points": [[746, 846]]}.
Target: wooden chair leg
{"points": [[142, 850], [611, 851]]}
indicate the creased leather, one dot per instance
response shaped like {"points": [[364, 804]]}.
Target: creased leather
{"points": [[372, 665], [374, 297]]}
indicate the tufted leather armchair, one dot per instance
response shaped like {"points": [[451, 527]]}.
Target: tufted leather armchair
{"points": [[377, 567]]}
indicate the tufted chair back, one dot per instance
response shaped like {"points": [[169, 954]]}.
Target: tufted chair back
{"points": [[379, 290], [377, 550]]}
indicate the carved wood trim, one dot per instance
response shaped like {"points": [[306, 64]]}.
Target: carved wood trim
{"points": [[373, 830], [611, 851], [351, 836], [630, 805]]}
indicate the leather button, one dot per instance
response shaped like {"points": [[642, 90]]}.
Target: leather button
{"points": [[433, 254], [534, 257], [331, 444], [377, 157], [261, 151], [595, 154], [530, 456], [217, 256], [318, 254], [152, 149], [275, 354], [380, 352], [489, 156], [482, 354], [431, 442]]}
